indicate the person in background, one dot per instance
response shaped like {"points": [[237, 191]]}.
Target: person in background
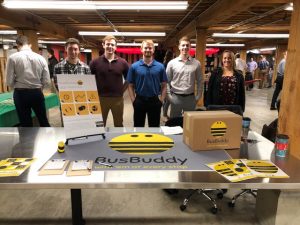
{"points": [[279, 80], [147, 80], [271, 71], [110, 70], [263, 69], [27, 72], [226, 84], [240, 63], [252, 66], [183, 72], [52, 61], [71, 64], [168, 57]]}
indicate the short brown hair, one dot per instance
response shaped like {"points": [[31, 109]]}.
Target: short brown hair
{"points": [[109, 37], [184, 38], [71, 41], [22, 40]]}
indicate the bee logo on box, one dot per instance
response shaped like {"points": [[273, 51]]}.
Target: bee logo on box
{"points": [[218, 129]]}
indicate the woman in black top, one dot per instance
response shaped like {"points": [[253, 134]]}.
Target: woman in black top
{"points": [[226, 84]]}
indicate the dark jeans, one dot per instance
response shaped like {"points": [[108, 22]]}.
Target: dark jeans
{"points": [[27, 99], [279, 83], [146, 106]]}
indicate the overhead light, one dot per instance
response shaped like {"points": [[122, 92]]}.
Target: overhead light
{"points": [[222, 45], [289, 7], [133, 44], [236, 35], [267, 49], [147, 34], [8, 32], [92, 5], [8, 40], [5, 47], [51, 42]]}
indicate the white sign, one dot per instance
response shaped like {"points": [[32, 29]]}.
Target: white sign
{"points": [[80, 105]]}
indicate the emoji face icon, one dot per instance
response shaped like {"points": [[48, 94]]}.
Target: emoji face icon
{"points": [[218, 129], [92, 96], [141, 143], [68, 109], [65, 96], [94, 108], [79, 96], [82, 109]]}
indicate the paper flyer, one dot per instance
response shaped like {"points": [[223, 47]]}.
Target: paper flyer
{"points": [[233, 170], [80, 105], [264, 168], [11, 167]]}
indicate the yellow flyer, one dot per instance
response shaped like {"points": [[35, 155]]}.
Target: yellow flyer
{"points": [[12, 167]]}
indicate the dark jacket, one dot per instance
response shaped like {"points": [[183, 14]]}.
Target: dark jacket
{"points": [[52, 62], [214, 84]]}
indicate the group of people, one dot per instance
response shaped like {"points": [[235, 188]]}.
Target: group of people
{"points": [[177, 82]]}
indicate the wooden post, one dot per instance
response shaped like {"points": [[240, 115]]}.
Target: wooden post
{"points": [[32, 38], [289, 110], [200, 54], [95, 53], [243, 54], [280, 49]]}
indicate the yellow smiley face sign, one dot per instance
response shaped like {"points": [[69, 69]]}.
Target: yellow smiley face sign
{"points": [[218, 129], [141, 143]]}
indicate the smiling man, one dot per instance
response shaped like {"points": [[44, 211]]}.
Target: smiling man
{"points": [[183, 73], [110, 70], [71, 64], [147, 80]]}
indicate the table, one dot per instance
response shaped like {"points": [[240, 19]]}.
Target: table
{"points": [[42, 143], [8, 113]]}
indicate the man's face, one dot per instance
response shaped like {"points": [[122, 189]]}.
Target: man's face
{"points": [[147, 49], [110, 46], [72, 51], [184, 47]]}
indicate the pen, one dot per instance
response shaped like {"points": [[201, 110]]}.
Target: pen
{"points": [[105, 164]]}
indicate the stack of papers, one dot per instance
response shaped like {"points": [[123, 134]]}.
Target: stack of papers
{"points": [[171, 130]]}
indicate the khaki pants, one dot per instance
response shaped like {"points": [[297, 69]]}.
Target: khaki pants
{"points": [[116, 105], [262, 75]]}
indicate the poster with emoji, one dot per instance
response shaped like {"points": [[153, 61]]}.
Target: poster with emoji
{"points": [[80, 105]]}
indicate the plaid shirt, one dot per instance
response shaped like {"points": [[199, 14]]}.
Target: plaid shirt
{"points": [[64, 67]]}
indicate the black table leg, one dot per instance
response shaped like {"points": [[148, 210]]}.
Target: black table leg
{"points": [[76, 207]]}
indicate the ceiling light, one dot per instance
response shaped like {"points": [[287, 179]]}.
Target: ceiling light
{"points": [[267, 49], [289, 7], [235, 35], [133, 44], [8, 40], [147, 34], [51, 42], [8, 32], [222, 45], [103, 5]]}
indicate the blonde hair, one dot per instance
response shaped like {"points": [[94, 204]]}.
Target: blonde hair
{"points": [[109, 37], [184, 38], [231, 54], [147, 42]]}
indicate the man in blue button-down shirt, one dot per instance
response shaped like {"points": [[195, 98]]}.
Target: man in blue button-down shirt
{"points": [[147, 80]]}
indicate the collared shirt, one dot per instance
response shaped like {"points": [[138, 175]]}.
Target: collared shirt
{"points": [[147, 79], [27, 69], [252, 65], [263, 65], [183, 75], [64, 67], [281, 67], [109, 75], [240, 64]]}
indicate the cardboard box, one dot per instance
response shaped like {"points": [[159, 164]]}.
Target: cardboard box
{"points": [[206, 130]]}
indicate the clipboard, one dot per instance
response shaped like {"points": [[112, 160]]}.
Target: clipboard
{"points": [[80, 172], [45, 171]]}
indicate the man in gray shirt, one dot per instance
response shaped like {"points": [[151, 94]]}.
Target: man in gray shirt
{"points": [[279, 80], [27, 72], [183, 73]]}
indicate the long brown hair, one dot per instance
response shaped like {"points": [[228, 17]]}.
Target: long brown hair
{"points": [[231, 56]]}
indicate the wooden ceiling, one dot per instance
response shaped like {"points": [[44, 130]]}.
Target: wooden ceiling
{"points": [[225, 16]]}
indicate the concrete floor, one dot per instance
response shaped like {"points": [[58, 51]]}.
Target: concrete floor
{"points": [[134, 206]]}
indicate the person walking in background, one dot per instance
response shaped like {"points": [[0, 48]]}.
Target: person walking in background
{"points": [[240, 63], [279, 80], [168, 57], [183, 72], [226, 84], [71, 64], [52, 61], [263, 69], [147, 80], [252, 66], [27, 72], [110, 70]]}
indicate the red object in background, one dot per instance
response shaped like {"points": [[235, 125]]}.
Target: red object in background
{"points": [[130, 51]]}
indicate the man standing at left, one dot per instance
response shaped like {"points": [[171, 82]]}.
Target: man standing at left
{"points": [[111, 71], [27, 72]]}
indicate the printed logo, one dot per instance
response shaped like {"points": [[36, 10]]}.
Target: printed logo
{"points": [[218, 129]]}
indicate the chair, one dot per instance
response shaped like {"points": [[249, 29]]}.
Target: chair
{"points": [[253, 192], [178, 121]]}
